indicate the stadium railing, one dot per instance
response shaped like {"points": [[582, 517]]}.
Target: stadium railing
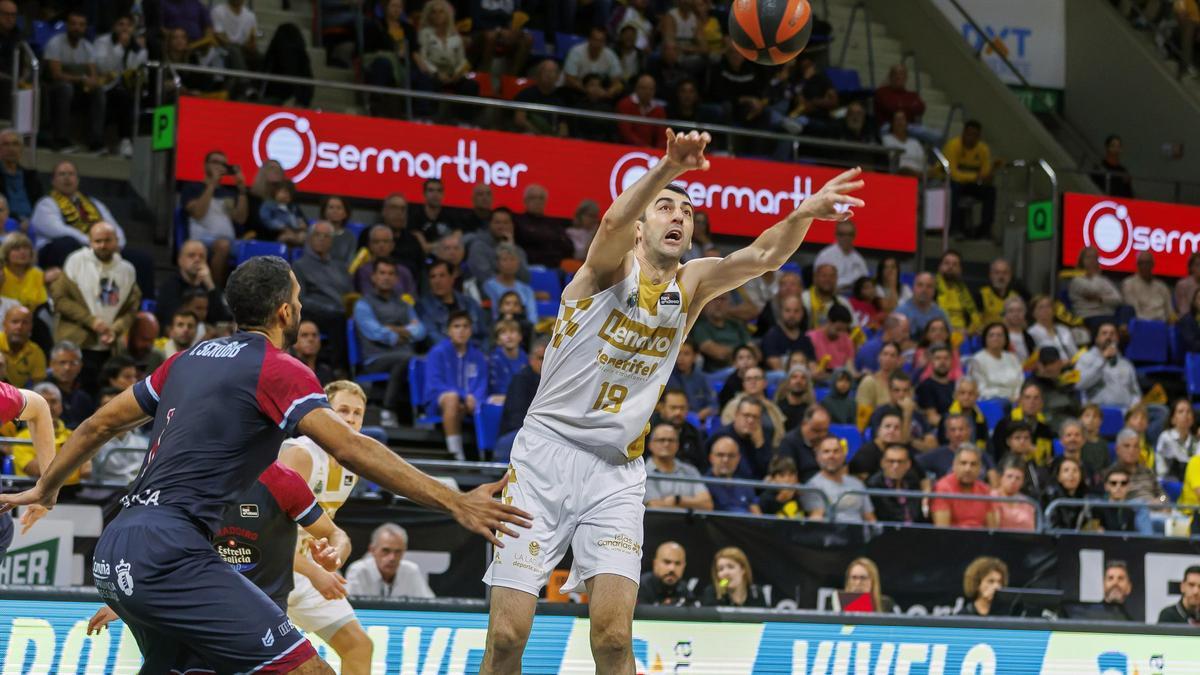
{"points": [[918, 494], [1173, 512]]}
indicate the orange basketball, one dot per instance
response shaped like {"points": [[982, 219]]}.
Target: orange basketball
{"points": [[770, 32]]}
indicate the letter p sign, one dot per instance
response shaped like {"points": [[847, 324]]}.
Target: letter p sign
{"points": [[163, 134]]}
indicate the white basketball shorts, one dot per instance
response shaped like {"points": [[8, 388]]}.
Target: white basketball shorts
{"points": [[310, 611], [577, 499]]}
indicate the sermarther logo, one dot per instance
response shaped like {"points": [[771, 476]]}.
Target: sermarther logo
{"points": [[289, 140], [1110, 229], [633, 165]]}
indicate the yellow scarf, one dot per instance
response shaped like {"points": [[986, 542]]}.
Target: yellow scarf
{"points": [[958, 304], [1043, 447], [992, 304], [814, 316], [957, 409], [71, 215]]}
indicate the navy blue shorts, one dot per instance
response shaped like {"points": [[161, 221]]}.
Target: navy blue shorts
{"points": [[186, 607], [6, 532]]}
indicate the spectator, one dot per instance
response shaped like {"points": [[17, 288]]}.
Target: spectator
{"points": [[702, 245], [324, 285], [664, 583], [1091, 417], [1000, 288], [894, 329], [839, 401], [732, 581], [769, 291], [1027, 412], [891, 290], [745, 357], [455, 379], [702, 400], [1188, 326], [594, 57], [844, 257], [873, 388], [508, 266], [911, 160], [724, 459], [10, 38], [63, 219], [388, 327], [966, 398], [512, 308], [26, 360], [794, 395], [96, 298], [717, 334], [1046, 332], [865, 305], [506, 360], [115, 464], [282, 218], [673, 409], [381, 244], [429, 220], [441, 300], [862, 576], [983, 577], [935, 394], [25, 461], [641, 103], [181, 334], [895, 97], [782, 503], [1185, 288], [476, 218], [914, 428], [119, 55], [215, 211], [384, 572], [1117, 587], [1092, 457], [120, 371], [1068, 484], [1110, 175], [387, 43], [1178, 443], [1094, 298], [307, 348], [633, 14], [896, 473], [583, 227], [1143, 484], [75, 87], [409, 251], [140, 344], [269, 178], [192, 272], [1105, 376], [832, 343], [441, 61], [661, 492], [631, 57], [545, 91], [971, 176], [21, 279], [963, 480], [482, 247], [856, 128], [754, 386], [994, 367], [21, 187], [799, 445], [920, 309], [739, 87], [66, 360], [936, 332], [519, 397], [235, 29], [1187, 610], [836, 486], [1149, 297], [1121, 517], [823, 295], [1060, 396], [957, 431], [869, 455], [749, 430], [544, 238], [1013, 515], [954, 297]]}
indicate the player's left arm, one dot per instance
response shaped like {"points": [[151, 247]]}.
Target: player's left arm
{"points": [[706, 278], [36, 413]]}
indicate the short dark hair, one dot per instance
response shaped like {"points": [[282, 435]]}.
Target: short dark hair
{"points": [[1017, 428], [781, 464], [430, 181], [438, 262], [208, 155], [108, 391], [972, 124], [939, 347], [385, 261], [256, 289], [1116, 563], [1112, 470], [1110, 138], [674, 391], [458, 314], [504, 209], [898, 376], [191, 293], [1194, 569], [1003, 331], [184, 313], [114, 366], [839, 314]]}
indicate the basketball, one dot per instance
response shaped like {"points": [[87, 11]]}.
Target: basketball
{"points": [[770, 32]]}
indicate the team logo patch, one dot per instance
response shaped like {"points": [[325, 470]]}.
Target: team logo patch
{"points": [[348, 480], [124, 577], [268, 638], [534, 548], [249, 510], [318, 486], [669, 298]]}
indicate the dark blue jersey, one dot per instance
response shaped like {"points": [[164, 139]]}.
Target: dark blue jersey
{"points": [[221, 410], [258, 535]]}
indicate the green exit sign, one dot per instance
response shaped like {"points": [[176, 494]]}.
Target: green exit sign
{"points": [[1039, 223], [163, 133]]}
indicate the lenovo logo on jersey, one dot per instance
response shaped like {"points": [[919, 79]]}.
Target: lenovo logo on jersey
{"points": [[636, 337], [216, 350]]}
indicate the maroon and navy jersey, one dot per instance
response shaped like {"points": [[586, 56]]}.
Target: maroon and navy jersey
{"points": [[221, 410], [12, 402], [258, 535]]}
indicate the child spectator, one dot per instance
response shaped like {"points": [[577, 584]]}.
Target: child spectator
{"points": [[508, 263], [456, 379], [782, 503], [513, 309], [839, 401], [865, 303], [282, 217], [702, 400], [507, 359]]}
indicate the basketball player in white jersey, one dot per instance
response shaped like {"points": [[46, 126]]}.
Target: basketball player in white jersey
{"points": [[577, 463], [317, 603]]}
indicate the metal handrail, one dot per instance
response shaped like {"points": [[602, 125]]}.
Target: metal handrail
{"points": [[947, 207], [954, 108], [870, 43], [1177, 184], [876, 492], [529, 107], [1103, 504]]}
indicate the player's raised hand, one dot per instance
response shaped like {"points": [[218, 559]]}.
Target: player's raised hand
{"points": [[100, 620], [324, 554], [834, 201], [687, 150], [479, 512]]}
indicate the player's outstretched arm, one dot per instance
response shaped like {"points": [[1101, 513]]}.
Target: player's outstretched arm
{"points": [[477, 510], [707, 278], [41, 431]]}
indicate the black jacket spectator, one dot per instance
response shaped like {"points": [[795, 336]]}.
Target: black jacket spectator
{"points": [[652, 591], [896, 509], [1177, 613], [1189, 333], [1065, 517], [287, 54], [754, 461], [794, 446], [692, 448], [754, 598]]}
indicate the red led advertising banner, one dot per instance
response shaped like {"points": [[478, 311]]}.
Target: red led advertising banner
{"points": [[1120, 229], [352, 156]]}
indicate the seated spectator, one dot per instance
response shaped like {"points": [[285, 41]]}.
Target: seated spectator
{"points": [[543, 238], [673, 409], [832, 482], [971, 176], [1012, 515], [345, 232], [661, 492], [911, 160], [324, 285], [732, 582], [1057, 389], [1121, 518], [1117, 588], [235, 28], [140, 346], [1178, 443], [749, 430], [1187, 610], [641, 103], [844, 257], [840, 400], [506, 360], [441, 60], [1046, 332], [455, 379], [963, 480], [966, 396], [25, 461], [1000, 288], [702, 400], [1094, 298], [66, 360], [381, 244], [408, 249], [430, 220], [865, 304], [1149, 297], [594, 57], [891, 290], [96, 299], [664, 583], [794, 395], [308, 347], [512, 309], [854, 127], [21, 279], [920, 309], [862, 576], [717, 334], [181, 335], [1068, 483], [983, 577], [782, 503], [119, 372], [894, 329], [518, 399], [595, 99], [583, 227], [995, 367], [436, 306], [545, 91], [508, 265], [954, 297], [1091, 417], [745, 357], [1018, 444], [384, 572], [192, 272], [873, 389], [26, 360], [870, 453], [388, 327], [1110, 175], [1091, 460], [702, 244], [20, 186], [786, 334], [177, 50], [482, 246], [937, 331], [1106, 377], [1143, 483], [1185, 288], [914, 428], [62, 220], [75, 88], [282, 218], [894, 96], [823, 296], [114, 463], [1014, 321], [957, 431], [387, 42], [724, 457], [754, 386], [896, 473], [832, 343], [216, 211], [935, 394], [1189, 324], [1028, 412]]}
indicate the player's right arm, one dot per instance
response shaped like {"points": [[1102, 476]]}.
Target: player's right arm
{"points": [[477, 510]]}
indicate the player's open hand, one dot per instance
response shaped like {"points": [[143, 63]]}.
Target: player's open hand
{"points": [[834, 201], [30, 515], [34, 496], [324, 554], [100, 620], [479, 512], [330, 585], [687, 150]]}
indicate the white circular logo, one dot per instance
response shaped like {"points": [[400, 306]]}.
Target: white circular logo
{"points": [[627, 170], [287, 139], [1108, 227]]}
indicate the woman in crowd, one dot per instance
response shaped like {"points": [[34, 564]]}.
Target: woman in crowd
{"points": [[1094, 297], [22, 279], [980, 582], [1178, 443], [995, 367], [1013, 515], [1019, 340], [891, 291], [441, 60], [865, 303], [1046, 332], [345, 232], [745, 357], [1068, 484], [754, 385], [732, 581], [862, 576], [937, 332], [583, 227], [794, 395]]}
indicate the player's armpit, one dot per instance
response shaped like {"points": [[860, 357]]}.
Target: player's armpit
{"points": [[297, 459]]}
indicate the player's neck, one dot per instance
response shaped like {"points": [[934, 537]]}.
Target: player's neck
{"points": [[273, 335], [657, 269]]}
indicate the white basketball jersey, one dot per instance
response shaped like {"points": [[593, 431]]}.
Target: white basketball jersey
{"points": [[331, 483], [607, 364]]}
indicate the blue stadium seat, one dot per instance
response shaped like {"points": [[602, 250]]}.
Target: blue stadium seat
{"points": [[416, 392], [1172, 487], [539, 42], [356, 228], [355, 358], [793, 267], [42, 32], [714, 423], [563, 43], [545, 282], [820, 393], [1112, 420], [1058, 448], [1192, 372], [994, 410], [774, 378], [245, 249], [694, 420], [907, 278], [970, 345], [487, 425], [149, 306], [850, 434], [1150, 346], [845, 80], [716, 379]]}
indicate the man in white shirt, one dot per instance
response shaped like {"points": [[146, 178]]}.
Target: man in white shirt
{"points": [[912, 156], [384, 572], [74, 83], [594, 57], [842, 255], [236, 29]]}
